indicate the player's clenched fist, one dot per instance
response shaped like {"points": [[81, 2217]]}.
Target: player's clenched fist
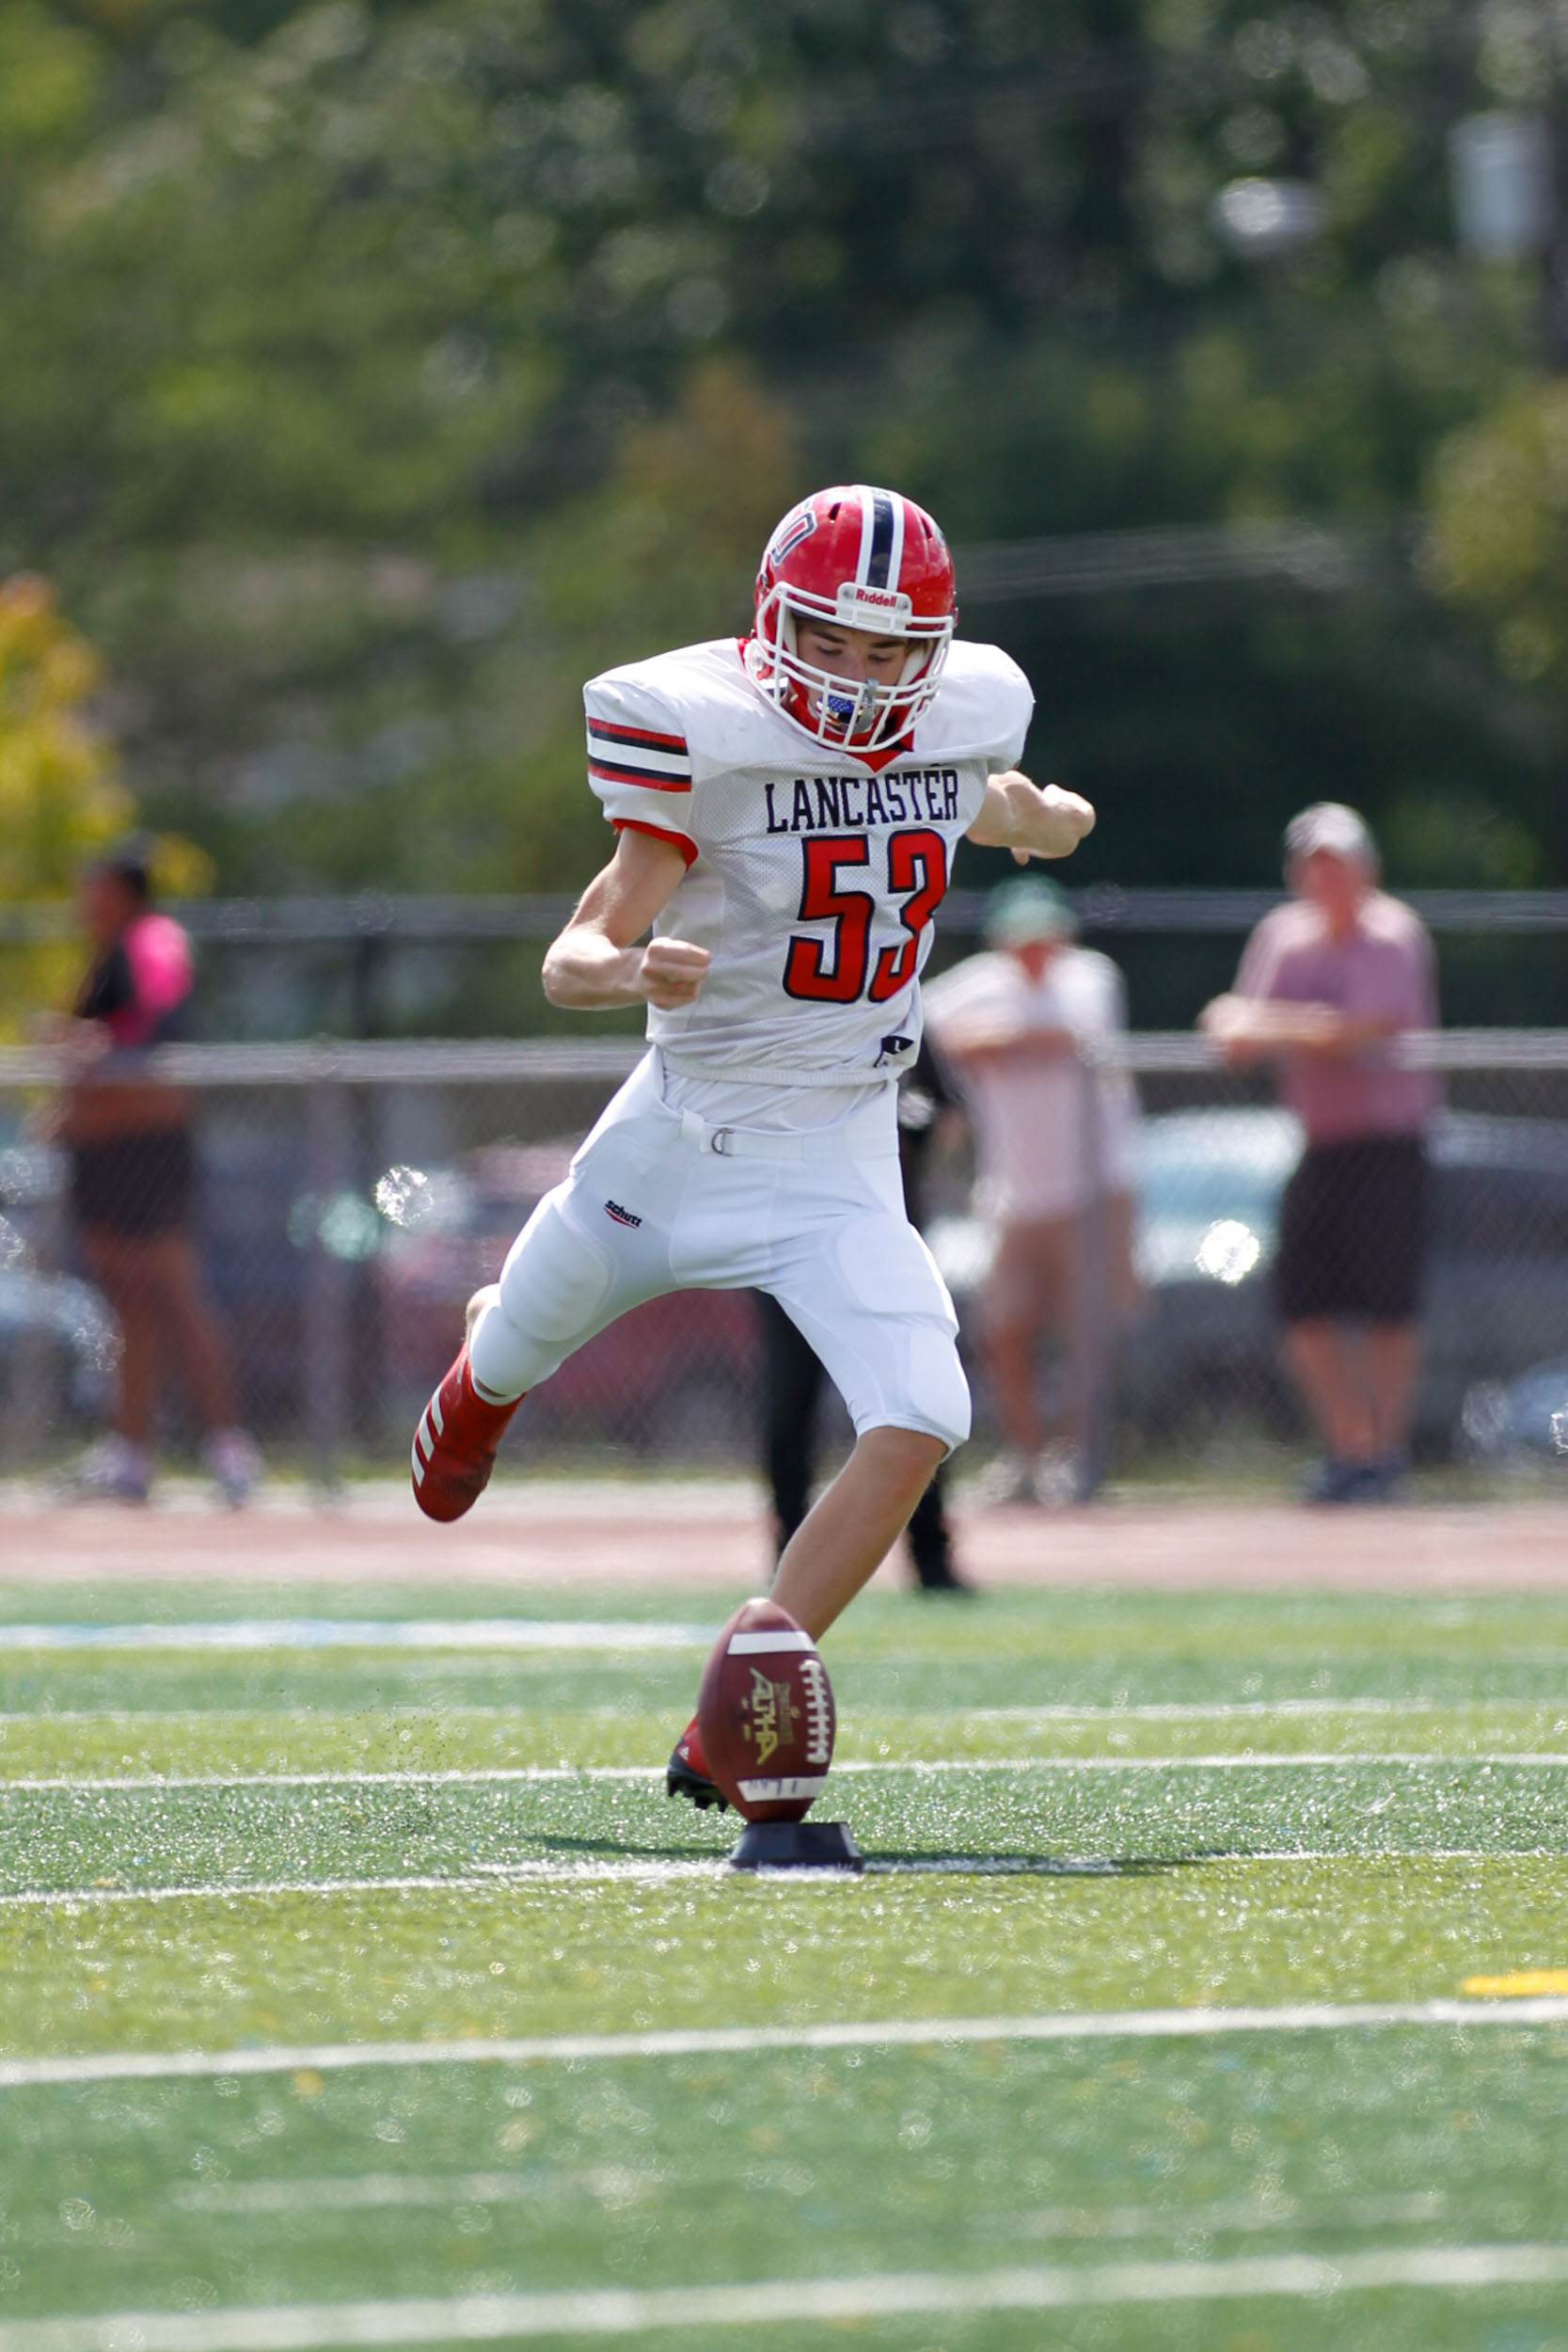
{"points": [[1030, 820], [672, 972]]}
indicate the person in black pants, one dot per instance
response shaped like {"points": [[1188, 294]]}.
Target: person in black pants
{"points": [[793, 1374]]}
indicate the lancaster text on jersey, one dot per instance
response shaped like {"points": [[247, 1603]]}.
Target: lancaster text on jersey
{"points": [[827, 803]]}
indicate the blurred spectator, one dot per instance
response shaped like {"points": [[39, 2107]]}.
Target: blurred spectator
{"points": [[1054, 1163], [129, 1142], [1325, 982], [793, 1373]]}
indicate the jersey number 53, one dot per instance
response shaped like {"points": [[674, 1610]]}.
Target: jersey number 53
{"points": [[836, 971]]}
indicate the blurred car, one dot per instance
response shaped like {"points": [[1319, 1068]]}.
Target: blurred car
{"points": [[1503, 1420], [1208, 1184]]}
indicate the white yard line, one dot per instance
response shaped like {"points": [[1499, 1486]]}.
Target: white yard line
{"points": [[491, 1877], [1194, 1710], [486, 1881], [109, 1782], [270, 1633], [1544, 1759], [792, 2302], [748, 2041], [1161, 1711]]}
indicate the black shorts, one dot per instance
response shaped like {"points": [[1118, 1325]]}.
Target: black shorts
{"points": [[136, 1185], [1352, 1229]]}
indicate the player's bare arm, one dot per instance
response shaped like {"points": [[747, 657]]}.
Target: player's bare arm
{"points": [[596, 961], [1031, 819]]}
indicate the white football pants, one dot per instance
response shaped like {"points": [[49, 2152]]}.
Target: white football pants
{"points": [[657, 1199]]}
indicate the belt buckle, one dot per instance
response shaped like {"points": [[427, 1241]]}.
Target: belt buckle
{"points": [[718, 1143]]}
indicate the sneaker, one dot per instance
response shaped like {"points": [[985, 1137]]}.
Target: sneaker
{"points": [[688, 1773], [1049, 1481], [1008, 1479], [1333, 1481], [454, 1445], [941, 1576], [111, 1470], [1385, 1480], [232, 1458], [1058, 1478]]}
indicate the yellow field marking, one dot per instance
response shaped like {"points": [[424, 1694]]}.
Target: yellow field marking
{"points": [[1520, 1984]]}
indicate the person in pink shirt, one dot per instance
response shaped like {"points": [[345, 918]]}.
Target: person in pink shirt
{"points": [[1325, 982], [128, 1139]]}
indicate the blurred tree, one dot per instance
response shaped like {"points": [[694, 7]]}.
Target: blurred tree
{"points": [[1497, 536], [371, 372], [60, 798], [60, 794]]}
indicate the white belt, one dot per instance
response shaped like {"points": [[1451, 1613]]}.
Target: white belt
{"points": [[851, 1139]]}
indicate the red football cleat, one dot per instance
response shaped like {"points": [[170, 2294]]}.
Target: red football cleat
{"points": [[688, 1775], [454, 1445]]}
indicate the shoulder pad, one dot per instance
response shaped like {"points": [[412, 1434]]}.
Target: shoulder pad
{"points": [[983, 707]]}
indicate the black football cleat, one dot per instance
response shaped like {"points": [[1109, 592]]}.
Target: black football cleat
{"points": [[688, 1773]]}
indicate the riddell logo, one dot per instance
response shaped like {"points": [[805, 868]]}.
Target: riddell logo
{"points": [[858, 607]]}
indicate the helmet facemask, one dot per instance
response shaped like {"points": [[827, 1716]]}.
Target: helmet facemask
{"points": [[857, 714]]}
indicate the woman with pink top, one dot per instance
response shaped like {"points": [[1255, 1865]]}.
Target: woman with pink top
{"points": [[129, 1141]]}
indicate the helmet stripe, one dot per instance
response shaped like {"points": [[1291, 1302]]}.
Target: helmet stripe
{"points": [[868, 504], [895, 561], [876, 574]]}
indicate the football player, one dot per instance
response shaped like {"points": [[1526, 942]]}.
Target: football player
{"points": [[786, 809]]}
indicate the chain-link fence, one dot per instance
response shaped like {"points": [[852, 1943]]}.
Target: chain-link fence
{"points": [[348, 1199]]}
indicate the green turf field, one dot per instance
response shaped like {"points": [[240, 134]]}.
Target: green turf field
{"points": [[357, 1984]]}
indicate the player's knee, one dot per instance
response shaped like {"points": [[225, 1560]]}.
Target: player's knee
{"points": [[948, 1412], [932, 1398], [909, 1458], [551, 1292]]}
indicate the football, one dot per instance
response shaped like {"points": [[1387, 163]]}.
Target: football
{"points": [[766, 1714]]}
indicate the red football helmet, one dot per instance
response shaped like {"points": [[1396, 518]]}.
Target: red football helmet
{"points": [[853, 558]]}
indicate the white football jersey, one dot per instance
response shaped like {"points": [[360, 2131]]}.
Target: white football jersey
{"points": [[812, 877]]}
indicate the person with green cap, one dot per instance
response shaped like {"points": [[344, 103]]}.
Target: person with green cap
{"points": [[1056, 1188]]}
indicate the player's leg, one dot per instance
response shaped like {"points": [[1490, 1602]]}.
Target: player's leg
{"points": [[839, 1546], [583, 1258], [846, 1538], [866, 1292], [560, 1284]]}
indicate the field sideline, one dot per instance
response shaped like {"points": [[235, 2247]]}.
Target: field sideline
{"points": [[1208, 1986], [707, 1532]]}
